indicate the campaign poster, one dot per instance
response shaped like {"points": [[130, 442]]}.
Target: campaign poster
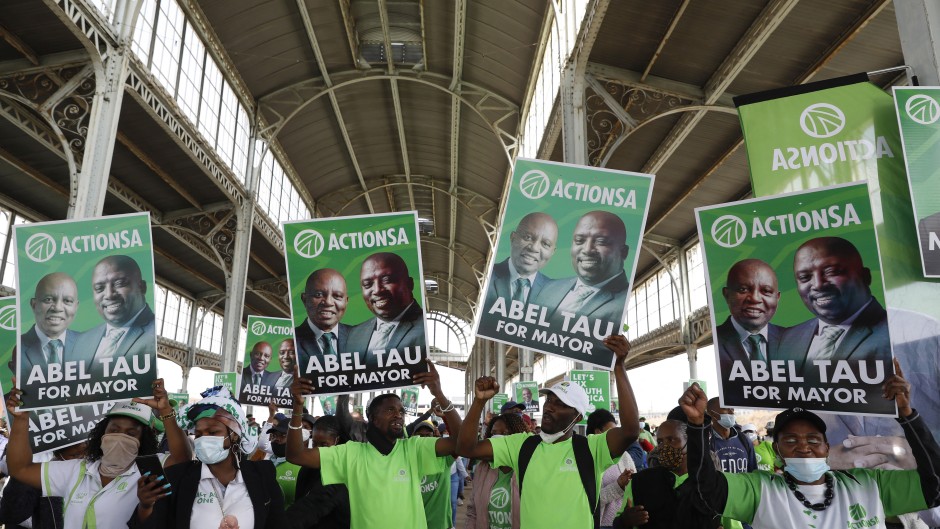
{"points": [[228, 381], [918, 110], [497, 402], [357, 301], [527, 394], [85, 296], [597, 386], [565, 259], [270, 361], [181, 399], [328, 404], [701, 383], [409, 399], [797, 302]]}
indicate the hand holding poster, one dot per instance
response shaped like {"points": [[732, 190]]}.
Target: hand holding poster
{"points": [[795, 282], [356, 301], [527, 395], [270, 362], [565, 304], [85, 301]]}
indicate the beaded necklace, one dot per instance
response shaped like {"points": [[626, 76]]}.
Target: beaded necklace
{"points": [[791, 483]]}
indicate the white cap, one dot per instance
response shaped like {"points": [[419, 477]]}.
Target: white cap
{"points": [[571, 394], [749, 428], [132, 409]]}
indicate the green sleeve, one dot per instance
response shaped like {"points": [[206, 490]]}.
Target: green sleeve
{"points": [[427, 458], [627, 498], [333, 464], [601, 453], [506, 450], [900, 490], [743, 495]]}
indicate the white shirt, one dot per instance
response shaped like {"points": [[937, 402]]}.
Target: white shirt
{"points": [[570, 296], [79, 484], [207, 513], [373, 341], [744, 333], [816, 345]]}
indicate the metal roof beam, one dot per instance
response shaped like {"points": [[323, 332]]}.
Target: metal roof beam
{"points": [[386, 37], [46, 62], [654, 83]]}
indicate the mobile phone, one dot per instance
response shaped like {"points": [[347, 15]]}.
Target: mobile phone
{"points": [[150, 464]]}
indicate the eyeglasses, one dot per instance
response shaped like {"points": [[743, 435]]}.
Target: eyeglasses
{"points": [[813, 439]]}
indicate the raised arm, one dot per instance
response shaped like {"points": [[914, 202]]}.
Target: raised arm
{"points": [[468, 444], [711, 484], [297, 453], [619, 439], [19, 453], [177, 441], [923, 445], [445, 446]]}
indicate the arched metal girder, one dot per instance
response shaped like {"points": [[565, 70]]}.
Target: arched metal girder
{"points": [[463, 313], [459, 327], [469, 255], [500, 114]]}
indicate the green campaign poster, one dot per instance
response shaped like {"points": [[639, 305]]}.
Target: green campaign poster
{"points": [[565, 259], [328, 404], [701, 383], [597, 386], [918, 110], [269, 362], [227, 380], [497, 402], [527, 394], [797, 302], [181, 399], [357, 301], [85, 298], [409, 399]]}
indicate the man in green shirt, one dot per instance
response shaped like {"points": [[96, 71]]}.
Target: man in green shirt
{"points": [[552, 493], [383, 475]]}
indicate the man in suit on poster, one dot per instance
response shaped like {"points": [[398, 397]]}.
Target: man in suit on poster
{"points": [[752, 295], [322, 332], [49, 340]]}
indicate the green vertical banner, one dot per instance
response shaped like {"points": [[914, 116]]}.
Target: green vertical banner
{"points": [[409, 399], [357, 298], [85, 296], [597, 386], [565, 259], [269, 362], [918, 110], [228, 381], [797, 303], [527, 394], [497, 402], [328, 404], [846, 130]]}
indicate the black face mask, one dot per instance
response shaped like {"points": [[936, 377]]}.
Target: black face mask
{"points": [[280, 450]]}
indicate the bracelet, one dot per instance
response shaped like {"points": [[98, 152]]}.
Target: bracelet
{"points": [[171, 415], [450, 407], [292, 427]]}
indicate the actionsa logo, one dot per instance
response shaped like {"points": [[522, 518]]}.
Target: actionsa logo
{"points": [[257, 327], [822, 120], [534, 184], [923, 109], [309, 243], [729, 231], [40, 247]]}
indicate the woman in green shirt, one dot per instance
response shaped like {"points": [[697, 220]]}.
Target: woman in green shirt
{"points": [[494, 503]]}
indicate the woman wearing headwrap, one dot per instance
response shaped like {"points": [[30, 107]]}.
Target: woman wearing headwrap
{"points": [[223, 488], [100, 489]]}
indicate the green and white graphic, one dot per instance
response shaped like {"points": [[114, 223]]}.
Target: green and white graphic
{"points": [[918, 110], [357, 301], [797, 303], [565, 302], [181, 399], [228, 381], [527, 394], [328, 404], [701, 383], [85, 298], [409, 399], [497, 402], [270, 362], [597, 386]]}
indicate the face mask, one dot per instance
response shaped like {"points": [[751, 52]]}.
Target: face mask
{"points": [[305, 435], [642, 425], [210, 449], [279, 450], [806, 469], [668, 457], [751, 436], [118, 453], [552, 437], [726, 420]]}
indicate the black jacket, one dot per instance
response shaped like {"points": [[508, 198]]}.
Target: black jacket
{"points": [[318, 505], [175, 511]]}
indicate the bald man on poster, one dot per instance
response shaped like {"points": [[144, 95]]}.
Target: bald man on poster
{"points": [[752, 295], [49, 340]]}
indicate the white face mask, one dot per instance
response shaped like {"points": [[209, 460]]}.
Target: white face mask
{"points": [[552, 437], [495, 435], [642, 425]]}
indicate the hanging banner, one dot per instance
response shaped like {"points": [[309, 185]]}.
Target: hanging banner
{"points": [[860, 142], [597, 386], [228, 381], [409, 399], [565, 303], [357, 298], [85, 298], [497, 402], [270, 361], [797, 303], [328, 404], [527, 394], [918, 110]]}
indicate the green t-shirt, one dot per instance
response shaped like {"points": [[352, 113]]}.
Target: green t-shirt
{"points": [[862, 498], [435, 493], [766, 458], [286, 474], [648, 436], [384, 491], [552, 493], [499, 509]]}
